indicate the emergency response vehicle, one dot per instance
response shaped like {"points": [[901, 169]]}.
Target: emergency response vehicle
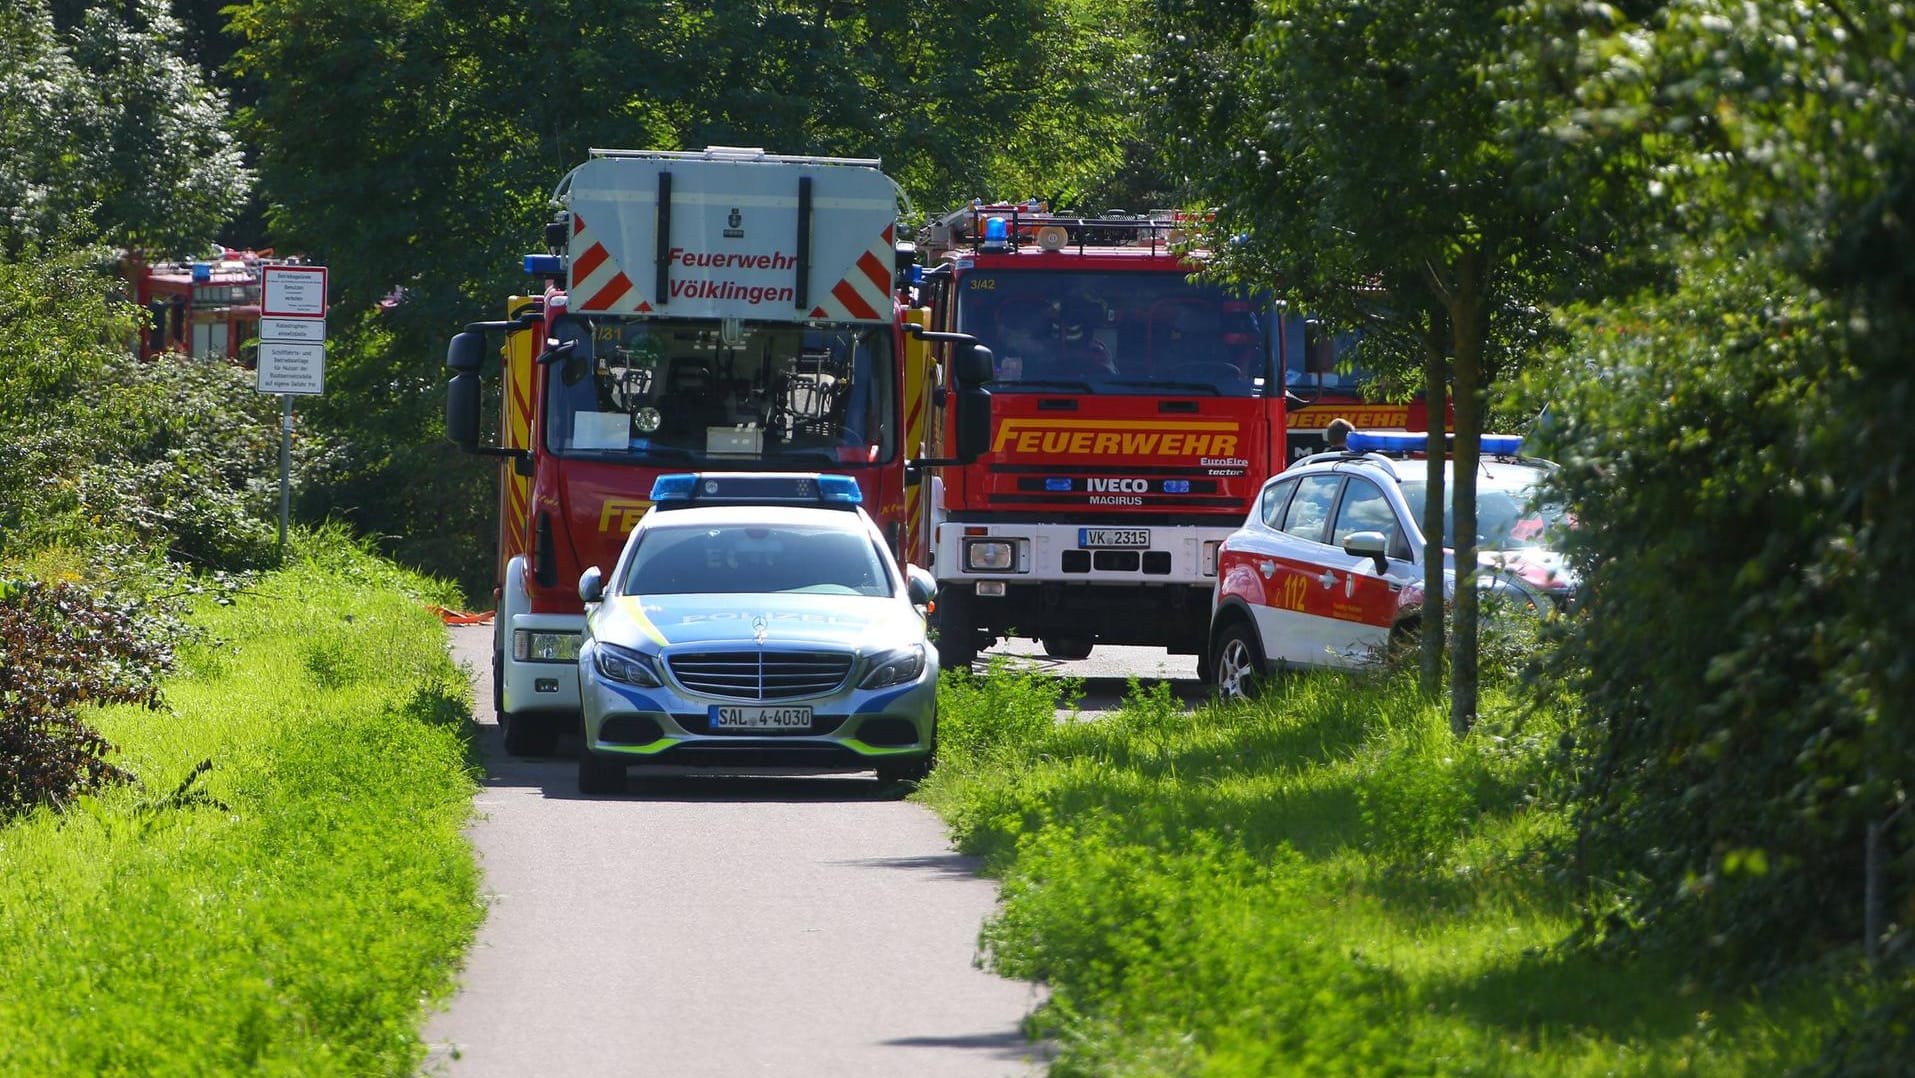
{"points": [[205, 307], [1328, 566], [719, 310], [1134, 413]]}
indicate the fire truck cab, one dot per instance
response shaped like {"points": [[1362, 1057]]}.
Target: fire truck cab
{"points": [[1135, 410]]}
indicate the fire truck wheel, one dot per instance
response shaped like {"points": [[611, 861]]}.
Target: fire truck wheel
{"points": [[597, 775], [1066, 647], [957, 631], [529, 734]]}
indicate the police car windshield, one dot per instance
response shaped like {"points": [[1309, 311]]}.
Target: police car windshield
{"points": [[738, 559], [1511, 513]]}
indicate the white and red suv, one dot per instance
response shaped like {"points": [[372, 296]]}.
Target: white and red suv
{"points": [[1329, 562]]}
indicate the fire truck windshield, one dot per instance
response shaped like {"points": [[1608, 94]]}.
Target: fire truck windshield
{"points": [[677, 393], [1148, 332]]}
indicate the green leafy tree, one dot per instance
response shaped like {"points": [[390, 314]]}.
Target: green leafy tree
{"points": [[1739, 452], [1362, 148], [107, 132]]}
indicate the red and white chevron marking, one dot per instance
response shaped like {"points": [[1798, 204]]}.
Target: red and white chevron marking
{"points": [[598, 285], [865, 293]]}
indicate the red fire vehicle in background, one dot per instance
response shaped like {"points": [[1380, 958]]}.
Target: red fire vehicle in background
{"points": [[718, 310], [207, 308], [1134, 415], [1324, 385]]}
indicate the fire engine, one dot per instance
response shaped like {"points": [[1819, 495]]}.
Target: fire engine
{"points": [[1134, 413], [206, 307], [725, 309], [1324, 385]]}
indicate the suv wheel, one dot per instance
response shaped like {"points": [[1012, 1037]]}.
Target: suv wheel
{"points": [[1237, 663]]}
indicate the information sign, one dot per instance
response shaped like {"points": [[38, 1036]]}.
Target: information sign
{"points": [[292, 367], [299, 291]]}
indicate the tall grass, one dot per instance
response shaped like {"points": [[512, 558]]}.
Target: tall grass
{"points": [[289, 887], [1326, 881]]}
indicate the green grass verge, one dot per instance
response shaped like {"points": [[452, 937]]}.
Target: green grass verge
{"points": [[305, 900], [1324, 882]]}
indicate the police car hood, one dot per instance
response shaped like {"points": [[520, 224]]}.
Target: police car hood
{"points": [[856, 622]]}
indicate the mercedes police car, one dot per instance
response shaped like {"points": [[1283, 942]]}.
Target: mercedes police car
{"points": [[1329, 562], [755, 621]]}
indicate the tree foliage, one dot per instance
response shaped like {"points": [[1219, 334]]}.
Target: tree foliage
{"points": [[1740, 455], [1362, 148], [109, 134]]}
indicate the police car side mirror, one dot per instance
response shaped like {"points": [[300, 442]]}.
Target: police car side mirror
{"points": [[591, 585], [1373, 544], [920, 585]]}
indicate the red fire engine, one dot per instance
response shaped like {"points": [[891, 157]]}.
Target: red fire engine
{"points": [[716, 310], [1134, 414], [207, 308]]}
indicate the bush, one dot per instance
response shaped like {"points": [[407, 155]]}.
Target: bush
{"points": [[64, 646]]}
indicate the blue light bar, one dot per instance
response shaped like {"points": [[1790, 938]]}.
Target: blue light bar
{"points": [[1364, 441], [674, 488], [545, 265], [996, 230], [841, 489], [679, 490]]}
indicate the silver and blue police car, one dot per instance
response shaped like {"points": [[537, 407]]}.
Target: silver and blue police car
{"points": [[756, 621]]}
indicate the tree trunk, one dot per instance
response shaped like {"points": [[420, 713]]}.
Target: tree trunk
{"points": [[1435, 393], [1469, 327]]}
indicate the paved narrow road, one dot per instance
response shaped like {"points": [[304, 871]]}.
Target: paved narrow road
{"points": [[719, 926]]}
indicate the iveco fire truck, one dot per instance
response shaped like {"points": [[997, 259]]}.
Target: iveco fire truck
{"points": [[1135, 411], [701, 311]]}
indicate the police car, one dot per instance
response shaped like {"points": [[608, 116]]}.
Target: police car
{"points": [[1329, 563], [756, 621]]}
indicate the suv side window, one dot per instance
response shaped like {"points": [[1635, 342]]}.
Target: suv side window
{"points": [[1366, 509], [1309, 514], [1275, 497]]}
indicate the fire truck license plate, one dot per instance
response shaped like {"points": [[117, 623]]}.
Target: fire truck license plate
{"points": [[1091, 537], [761, 718]]}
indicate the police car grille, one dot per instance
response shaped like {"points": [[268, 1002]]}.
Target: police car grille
{"points": [[762, 675]]}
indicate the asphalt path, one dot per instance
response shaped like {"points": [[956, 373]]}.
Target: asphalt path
{"points": [[1104, 677], [710, 925]]}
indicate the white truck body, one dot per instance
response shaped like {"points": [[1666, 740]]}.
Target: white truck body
{"points": [[745, 235]]}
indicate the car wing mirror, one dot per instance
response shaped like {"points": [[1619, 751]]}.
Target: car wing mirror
{"points": [[1374, 545], [591, 585], [920, 585]]}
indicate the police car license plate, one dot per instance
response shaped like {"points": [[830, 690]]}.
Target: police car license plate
{"points": [[761, 718], [1095, 537]]}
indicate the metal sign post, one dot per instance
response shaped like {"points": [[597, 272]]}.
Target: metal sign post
{"points": [[292, 356]]}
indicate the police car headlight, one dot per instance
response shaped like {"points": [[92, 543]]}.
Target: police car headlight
{"points": [[624, 665], [898, 667], [997, 554]]}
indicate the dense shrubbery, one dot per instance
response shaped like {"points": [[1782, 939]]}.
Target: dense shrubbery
{"points": [[63, 646], [128, 481], [1739, 452]]}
